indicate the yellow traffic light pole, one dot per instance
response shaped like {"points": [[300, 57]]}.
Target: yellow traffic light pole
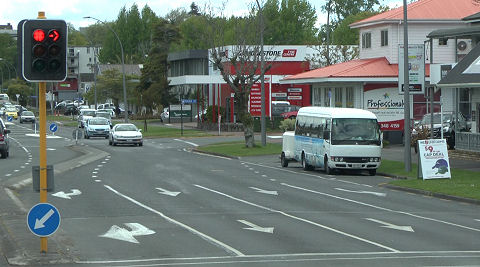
{"points": [[42, 90]]}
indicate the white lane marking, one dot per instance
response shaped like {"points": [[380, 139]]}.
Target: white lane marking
{"points": [[8, 174], [190, 143], [168, 193], [362, 192], [257, 172], [381, 208], [16, 170], [100, 165], [307, 174], [96, 169], [478, 220], [104, 162], [210, 239], [94, 176], [263, 175], [392, 226], [94, 172], [98, 181], [265, 191], [213, 156], [254, 227], [61, 194], [16, 200], [22, 167], [123, 234], [296, 257], [299, 219]]}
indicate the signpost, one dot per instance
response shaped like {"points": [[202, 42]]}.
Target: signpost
{"points": [[416, 68], [53, 128], [433, 159], [43, 219]]}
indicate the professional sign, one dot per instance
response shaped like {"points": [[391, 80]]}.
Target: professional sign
{"points": [[388, 106], [416, 68], [434, 161], [43, 219]]}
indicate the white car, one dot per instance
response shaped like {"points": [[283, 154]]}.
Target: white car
{"points": [[125, 133], [85, 114]]}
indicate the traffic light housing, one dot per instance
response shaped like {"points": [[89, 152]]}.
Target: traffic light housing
{"points": [[44, 50]]}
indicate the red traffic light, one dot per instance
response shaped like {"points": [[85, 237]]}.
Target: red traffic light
{"points": [[54, 35], [39, 35]]}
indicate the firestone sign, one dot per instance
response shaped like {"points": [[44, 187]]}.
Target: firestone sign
{"points": [[273, 53]]}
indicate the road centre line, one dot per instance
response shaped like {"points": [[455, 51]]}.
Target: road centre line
{"points": [[381, 208], [208, 238], [327, 256], [299, 219], [308, 174]]}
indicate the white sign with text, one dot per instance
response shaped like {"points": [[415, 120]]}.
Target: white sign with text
{"points": [[434, 161]]}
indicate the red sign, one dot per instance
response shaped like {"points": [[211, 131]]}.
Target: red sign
{"points": [[255, 103], [289, 52], [391, 125]]}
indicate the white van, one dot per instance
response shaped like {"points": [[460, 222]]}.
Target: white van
{"points": [[334, 138]]}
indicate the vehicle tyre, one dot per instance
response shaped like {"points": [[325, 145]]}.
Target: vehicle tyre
{"points": [[109, 142], [283, 160], [305, 165], [372, 172], [140, 144], [4, 154], [106, 137], [113, 142], [326, 168], [86, 136]]}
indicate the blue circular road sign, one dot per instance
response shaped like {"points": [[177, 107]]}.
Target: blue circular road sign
{"points": [[53, 127], [43, 219], [9, 118]]}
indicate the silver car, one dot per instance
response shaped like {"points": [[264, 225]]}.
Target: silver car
{"points": [[27, 116], [125, 133]]}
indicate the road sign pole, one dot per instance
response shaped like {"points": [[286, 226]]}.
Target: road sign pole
{"points": [[43, 154]]}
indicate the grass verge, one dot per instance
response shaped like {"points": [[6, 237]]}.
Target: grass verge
{"points": [[167, 132], [463, 183], [238, 149]]}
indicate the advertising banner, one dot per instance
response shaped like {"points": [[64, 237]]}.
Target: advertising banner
{"points": [[434, 163], [416, 68]]}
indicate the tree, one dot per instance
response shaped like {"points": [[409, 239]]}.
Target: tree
{"points": [[344, 35], [22, 88], [289, 22], [110, 86], [154, 88], [8, 55], [194, 11], [239, 67], [75, 38]]}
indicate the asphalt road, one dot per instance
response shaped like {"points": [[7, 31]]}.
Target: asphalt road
{"points": [[163, 204]]}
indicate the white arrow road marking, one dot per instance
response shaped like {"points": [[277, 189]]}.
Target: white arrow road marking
{"points": [[265, 191], [362, 192], [478, 220], [61, 194], [257, 228], [40, 223], [392, 226], [116, 232], [168, 193]]}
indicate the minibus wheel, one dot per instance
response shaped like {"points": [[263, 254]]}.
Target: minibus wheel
{"points": [[283, 160], [305, 166]]}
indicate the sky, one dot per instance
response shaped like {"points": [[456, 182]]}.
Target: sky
{"points": [[73, 11]]}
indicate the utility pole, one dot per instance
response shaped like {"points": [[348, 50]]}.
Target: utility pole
{"points": [[262, 79], [406, 93]]}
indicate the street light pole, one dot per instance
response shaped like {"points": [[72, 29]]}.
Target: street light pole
{"points": [[10, 65], [123, 65]]}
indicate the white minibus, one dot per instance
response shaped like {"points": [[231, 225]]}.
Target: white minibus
{"points": [[334, 139]]}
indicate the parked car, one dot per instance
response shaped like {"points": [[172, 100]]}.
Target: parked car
{"points": [[290, 112], [97, 127], [4, 143], [125, 133], [69, 109], [27, 116], [108, 110], [447, 126], [165, 114], [85, 114]]}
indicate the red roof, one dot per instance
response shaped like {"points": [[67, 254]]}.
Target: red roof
{"points": [[427, 10], [368, 68]]}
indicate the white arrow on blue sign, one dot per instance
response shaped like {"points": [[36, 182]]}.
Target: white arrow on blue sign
{"points": [[9, 118], [53, 127], [43, 219]]}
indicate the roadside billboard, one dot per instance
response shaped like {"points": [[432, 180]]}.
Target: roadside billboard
{"points": [[433, 162]]}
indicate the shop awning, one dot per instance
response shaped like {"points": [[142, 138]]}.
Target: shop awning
{"points": [[462, 32]]}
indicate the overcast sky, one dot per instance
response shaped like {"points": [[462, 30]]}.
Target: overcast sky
{"points": [[73, 11]]}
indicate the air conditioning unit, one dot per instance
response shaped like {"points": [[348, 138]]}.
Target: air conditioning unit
{"points": [[464, 46]]}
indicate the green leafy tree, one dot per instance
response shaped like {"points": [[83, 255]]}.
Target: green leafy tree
{"points": [[344, 35], [289, 22], [8, 55], [110, 86], [154, 87], [75, 38], [22, 88], [194, 10]]}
